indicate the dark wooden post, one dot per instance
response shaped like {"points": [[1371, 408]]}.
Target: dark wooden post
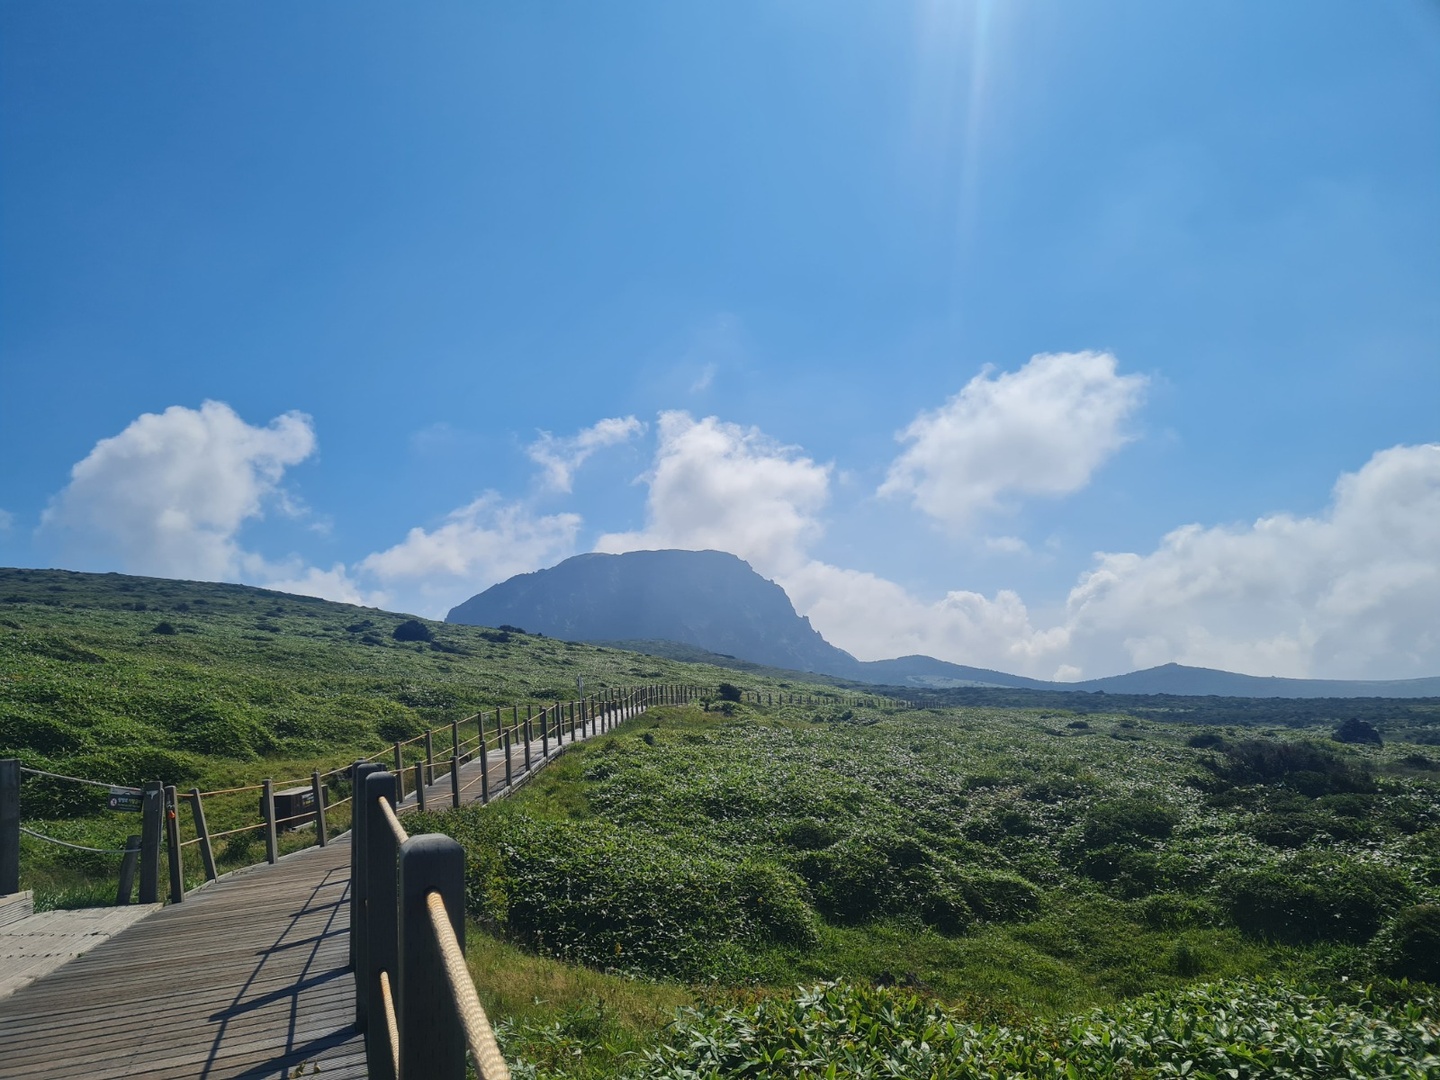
{"points": [[9, 826], [152, 810], [267, 811], [455, 781], [399, 773], [432, 1042], [455, 738], [484, 773], [317, 789], [207, 852], [420, 785], [126, 888], [507, 757], [529, 716], [544, 733], [429, 756], [359, 918], [380, 945], [172, 847]]}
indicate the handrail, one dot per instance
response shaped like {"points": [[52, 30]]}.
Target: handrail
{"points": [[479, 1036]]}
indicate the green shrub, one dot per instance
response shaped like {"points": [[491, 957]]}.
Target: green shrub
{"points": [[412, 630], [1311, 770], [728, 692], [39, 734], [807, 834], [1408, 946], [1127, 821], [134, 765], [1325, 899]]}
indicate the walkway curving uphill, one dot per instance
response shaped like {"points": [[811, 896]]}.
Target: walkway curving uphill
{"points": [[249, 977]]}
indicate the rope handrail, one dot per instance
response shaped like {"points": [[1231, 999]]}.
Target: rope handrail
{"points": [[478, 1034], [391, 1023], [232, 832], [75, 779], [394, 822], [232, 790], [66, 843]]}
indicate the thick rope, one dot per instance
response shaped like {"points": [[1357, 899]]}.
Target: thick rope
{"points": [[66, 843], [390, 1021], [75, 779], [478, 1035], [394, 822]]}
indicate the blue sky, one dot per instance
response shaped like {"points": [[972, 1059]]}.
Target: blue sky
{"points": [[1059, 338]]}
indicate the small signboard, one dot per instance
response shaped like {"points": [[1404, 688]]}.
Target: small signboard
{"points": [[124, 798]]}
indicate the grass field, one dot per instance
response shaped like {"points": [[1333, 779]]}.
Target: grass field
{"points": [[820, 890]]}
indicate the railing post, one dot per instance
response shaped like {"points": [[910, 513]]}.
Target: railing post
{"points": [[207, 852], [455, 781], [359, 909], [507, 758], [172, 847], [322, 835], [420, 785], [429, 756], [152, 809], [432, 1042], [529, 716], [544, 733], [380, 943], [9, 826], [126, 887], [399, 773], [484, 774], [267, 808], [454, 738]]}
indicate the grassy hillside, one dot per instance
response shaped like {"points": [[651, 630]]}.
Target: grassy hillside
{"points": [[127, 679]]}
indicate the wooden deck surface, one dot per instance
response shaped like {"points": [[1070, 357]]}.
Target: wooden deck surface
{"points": [[248, 977]]}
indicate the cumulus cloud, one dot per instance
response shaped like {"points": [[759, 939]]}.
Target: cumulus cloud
{"points": [[876, 619], [1350, 593], [170, 493], [486, 541], [719, 485], [560, 457], [1042, 430], [7, 521]]}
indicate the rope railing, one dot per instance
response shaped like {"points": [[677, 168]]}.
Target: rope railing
{"points": [[68, 844], [76, 779]]}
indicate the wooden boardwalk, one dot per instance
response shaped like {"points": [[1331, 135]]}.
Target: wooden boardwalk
{"points": [[249, 977]]}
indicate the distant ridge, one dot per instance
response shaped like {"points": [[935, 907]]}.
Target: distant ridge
{"points": [[715, 603]]}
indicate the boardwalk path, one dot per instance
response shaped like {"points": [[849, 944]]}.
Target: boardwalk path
{"points": [[247, 978]]}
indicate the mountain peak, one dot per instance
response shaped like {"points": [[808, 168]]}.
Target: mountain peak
{"points": [[709, 599]]}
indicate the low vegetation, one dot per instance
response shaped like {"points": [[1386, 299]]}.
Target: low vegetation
{"points": [[1024, 880], [1084, 887]]}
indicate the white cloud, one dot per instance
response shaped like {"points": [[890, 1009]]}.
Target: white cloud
{"points": [[876, 619], [719, 485], [560, 457], [1351, 593], [7, 521], [1042, 430], [170, 493], [487, 541]]}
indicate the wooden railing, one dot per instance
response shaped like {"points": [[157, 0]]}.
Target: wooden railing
{"points": [[414, 998]]}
